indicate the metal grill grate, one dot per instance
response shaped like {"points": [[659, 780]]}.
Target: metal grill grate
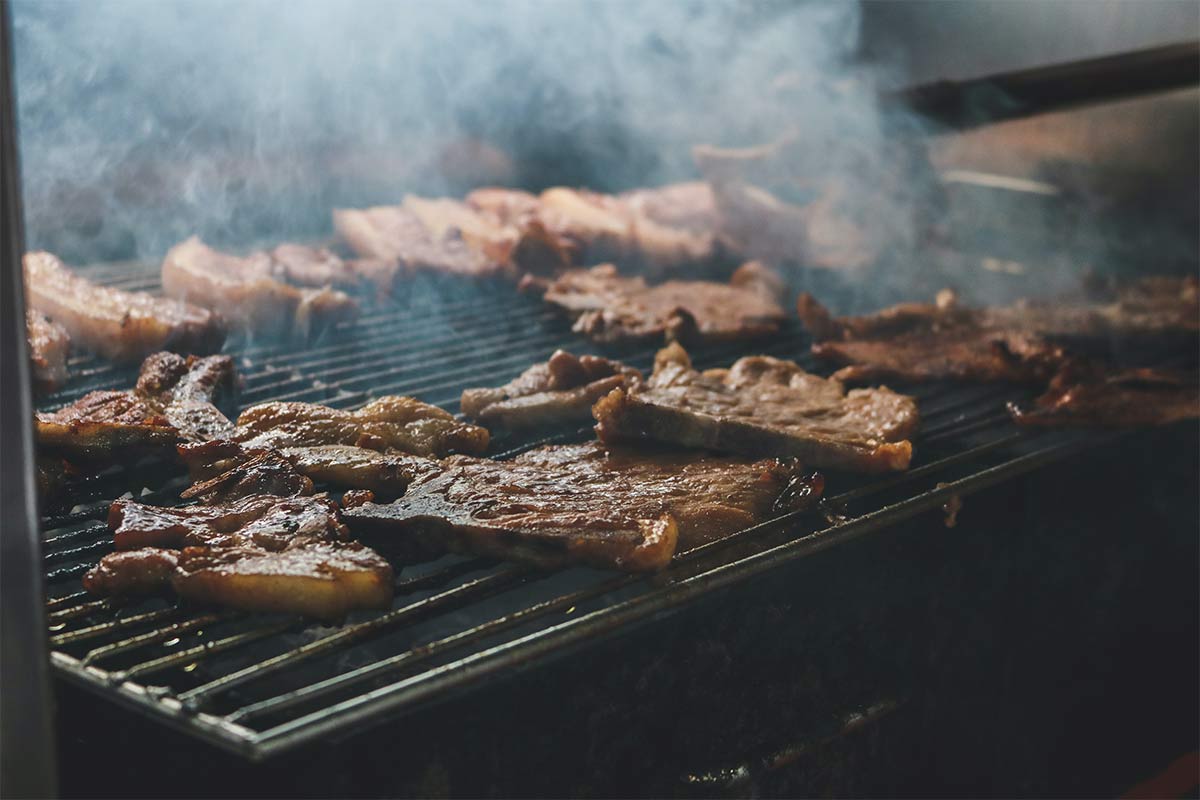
{"points": [[259, 684]]}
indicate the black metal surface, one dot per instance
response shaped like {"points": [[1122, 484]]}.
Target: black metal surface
{"points": [[26, 723], [1022, 93], [264, 685]]}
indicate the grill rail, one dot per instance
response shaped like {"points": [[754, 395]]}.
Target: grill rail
{"points": [[259, 685]]}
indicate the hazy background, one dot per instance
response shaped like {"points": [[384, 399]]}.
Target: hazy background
{"points": [[143, 122]]}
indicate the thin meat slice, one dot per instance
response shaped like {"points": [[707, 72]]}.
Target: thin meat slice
{"points": [[923, 342], [314, 267], [173, 402], [259, 553], [611, 308], [1090, 396], [763, 406], [689, 206], [556, 392], [49, 344], [386, 424], [574, 505], [248, 294], [123, 326]]}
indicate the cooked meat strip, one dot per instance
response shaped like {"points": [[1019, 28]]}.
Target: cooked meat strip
{"points": [[395, 236], [123, 326], [172, 402], [556, 392], [259, 553], [225, 470], [447, 219], [541, 246], [312, 266], [49, 344], [763, 406], [576, 506], [1093, 397], [388, 423], [612, 308], [915, 341], [687, 206], [247, 293]]}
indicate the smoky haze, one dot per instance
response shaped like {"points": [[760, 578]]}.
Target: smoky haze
{"points": [[144, 122]]}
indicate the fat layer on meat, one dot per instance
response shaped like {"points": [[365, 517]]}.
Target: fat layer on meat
{"points": [[247, 292], [581, 505], [555, 392], [763, 406], [49, 344], [609, 307], [123, 326]]}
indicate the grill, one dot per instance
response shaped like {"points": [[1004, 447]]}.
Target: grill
{"points": [[260, 685]]}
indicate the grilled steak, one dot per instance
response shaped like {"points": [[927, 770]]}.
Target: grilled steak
{"points": [[579, 505], [248, 294], [399, 424], [763, 406], [312, 266], [923, 342], [49, 343], [172, 402], [123, 326], [611, 308], [559, 391], [1093, 397], [260, 553]]}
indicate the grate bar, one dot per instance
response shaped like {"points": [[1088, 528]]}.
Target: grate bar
{"points": [[141, 640], [92, 631], [203, 650]]}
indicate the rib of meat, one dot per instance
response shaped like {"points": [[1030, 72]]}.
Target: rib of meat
{"points": [[389, 423], [393, 235], [172, 402], [915, 341], [260, 553], [763, 406], [1092, 397], [577, 505], [247, 293], [49, 343], [556, 392], [123, 326], [611, 308]]}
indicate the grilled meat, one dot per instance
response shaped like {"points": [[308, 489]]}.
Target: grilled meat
{"points": [[397, 242], [390, 423], [172, 402], [123, 326], [248, 294], [1090, 396], [580, 505], [763, 406], [915, 341], [260, 553], [610, 308], [49, 343], [559, 391], [687, 206], [312, 266], [922, 342]]}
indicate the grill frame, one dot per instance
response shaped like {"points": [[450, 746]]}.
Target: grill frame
{"points": [[980, 449]]}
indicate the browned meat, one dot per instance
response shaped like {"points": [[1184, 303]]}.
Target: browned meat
{"points": [[123, 326], [247, 293], [684, 206], [921, 342], [915, 341], [611, 308], [259, 553], [1092, 397], [173, 402], [400, 424], [49, 343], [578, 505], [763, 406], [395, 238], [542, 247], [225, 470], [559, 391]]}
